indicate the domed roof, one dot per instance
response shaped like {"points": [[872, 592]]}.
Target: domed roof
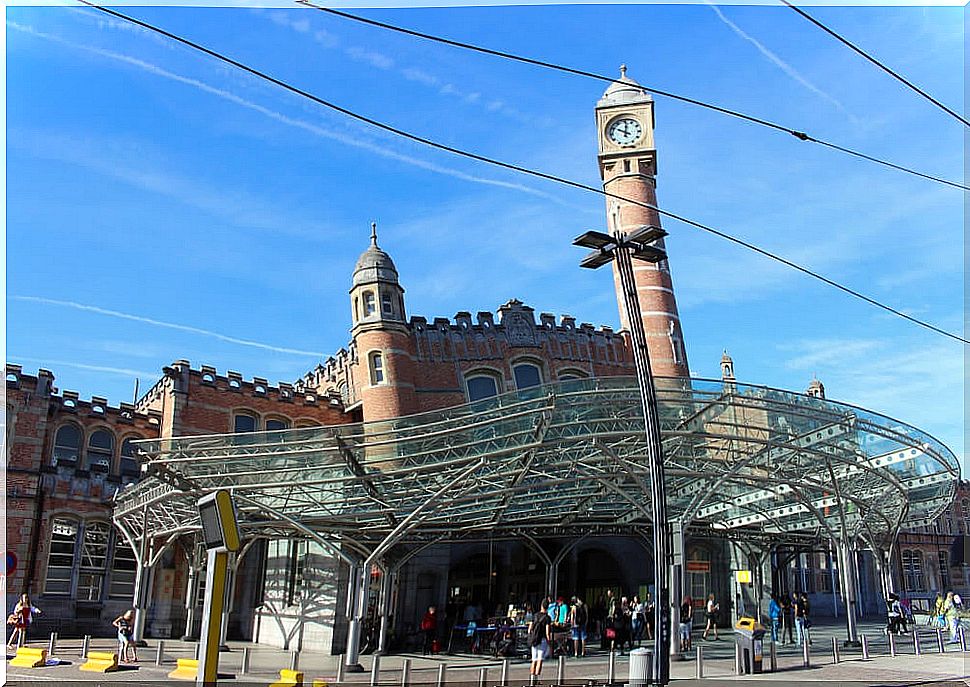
{"points": [[374, 264], [624, 90]]}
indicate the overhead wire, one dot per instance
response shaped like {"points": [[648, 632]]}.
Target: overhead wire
{"points": [[800, 135], [518, 168], [896, 75]]}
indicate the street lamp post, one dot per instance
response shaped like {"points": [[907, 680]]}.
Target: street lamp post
{"points": [[623, 249]]}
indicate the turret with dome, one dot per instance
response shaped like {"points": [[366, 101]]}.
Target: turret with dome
{"points": [[377, 298]]}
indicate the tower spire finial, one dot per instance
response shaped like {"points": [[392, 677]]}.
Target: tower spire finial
{"points": [[622, 71], [373, 234]]}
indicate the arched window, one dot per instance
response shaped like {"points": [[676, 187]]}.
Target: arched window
{"points": [[123, 570], [67, 446], [94, 560], [275, 424], [913, 570], [129, 460], [481, 386], [244, 422], [376, 367], [370, 306], [526, 375], [60, 559], [101, 448]]}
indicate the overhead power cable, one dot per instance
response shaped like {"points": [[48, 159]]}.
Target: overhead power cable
{"points": [[518, 168], [800, 135], [896, 75]]}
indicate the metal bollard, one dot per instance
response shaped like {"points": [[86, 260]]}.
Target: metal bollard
{"points": [[806, 653], [916, 647], [375, 671], [340, 669], [892, 645], [441, 674], [865, 647], [560, 674], [483, 677], [963, 639], [611, 669], [738, 666], [85, 646], [406, 672], [505, 672], [835, 650], [773, 657], [198, 650], [940, 644], [52, 645], [533, 679], [246, 657], [160, 652], [294, 660], [699, 661]]}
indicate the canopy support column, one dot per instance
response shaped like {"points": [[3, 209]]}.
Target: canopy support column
{"points": [[388, 580], [356, 599], [847, 566], [677, 572]]}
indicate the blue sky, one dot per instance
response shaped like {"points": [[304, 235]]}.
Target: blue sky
{"points": [[148, 181]]}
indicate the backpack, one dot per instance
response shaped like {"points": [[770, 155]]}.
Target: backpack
{"points": [[579, 616], [537, 631]]}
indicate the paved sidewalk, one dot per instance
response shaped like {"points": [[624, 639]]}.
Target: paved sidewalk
{"points": [[930, 668]]}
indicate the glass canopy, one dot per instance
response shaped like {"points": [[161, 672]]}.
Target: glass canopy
{"points": [[559, 460]]}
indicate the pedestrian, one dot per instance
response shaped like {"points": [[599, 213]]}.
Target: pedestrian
{"points": [[651, 615], [639, 610], [803, 619], [939, 619], [578, 619], [711, 609], [787, 620], [951, 614], [540, 636], [23, 614], [126, 636], [429, 626], [686, 623], [774, 614]]}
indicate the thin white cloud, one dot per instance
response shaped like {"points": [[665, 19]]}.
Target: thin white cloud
{"points": [[289, 121], [773, 58], [168, 325], [374, 59], [122, 371]]}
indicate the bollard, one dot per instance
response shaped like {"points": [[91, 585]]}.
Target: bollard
{"points": [[483, 677], [441, 674], [773, 657], [560, 674], [160, 652], [865, 647], [699, 660], [533, 679], [738, 666], [52, 645], [244, 668], [963, 639], [197, 651], [835, 650], [806, 653], [406, 672], [611, 669], [505, 672], [340, 669], [892, 645], [916, 646], [940, 644], [85, 646], [375, 671]]}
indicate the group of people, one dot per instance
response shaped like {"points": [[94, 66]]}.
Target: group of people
{"points": [[24, 612], [946, 613], [790, 615]]}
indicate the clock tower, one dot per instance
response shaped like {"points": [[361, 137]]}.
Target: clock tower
{"points": [[628, 168]]}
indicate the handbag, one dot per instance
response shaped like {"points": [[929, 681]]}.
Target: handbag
{"points": [[611, 633]]}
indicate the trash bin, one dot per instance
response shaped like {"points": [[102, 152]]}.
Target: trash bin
{"points": [[749, 636], [641, 667]]}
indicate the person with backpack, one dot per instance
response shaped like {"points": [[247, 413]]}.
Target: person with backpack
{"points": [[578, 619], [125, 623], [774, 613], [787, 620], [539, 635]]}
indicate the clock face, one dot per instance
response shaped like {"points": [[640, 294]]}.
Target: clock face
{"points": [[624, 131]]}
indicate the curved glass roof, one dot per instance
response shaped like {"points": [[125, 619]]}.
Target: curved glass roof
{"points": [[561, 460]]}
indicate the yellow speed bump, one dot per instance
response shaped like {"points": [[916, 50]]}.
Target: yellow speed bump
{"points": [[29, 657], [321, 683], [289, 678], [101, 662], [186, 669]]}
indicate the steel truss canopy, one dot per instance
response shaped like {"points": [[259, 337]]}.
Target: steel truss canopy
{"points": [[561, 460]]}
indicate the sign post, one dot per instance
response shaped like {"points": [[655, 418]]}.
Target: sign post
{"points": [[220, 533]]}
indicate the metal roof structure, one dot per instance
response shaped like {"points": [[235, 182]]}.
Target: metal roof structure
{"points": [[561, 460]]}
